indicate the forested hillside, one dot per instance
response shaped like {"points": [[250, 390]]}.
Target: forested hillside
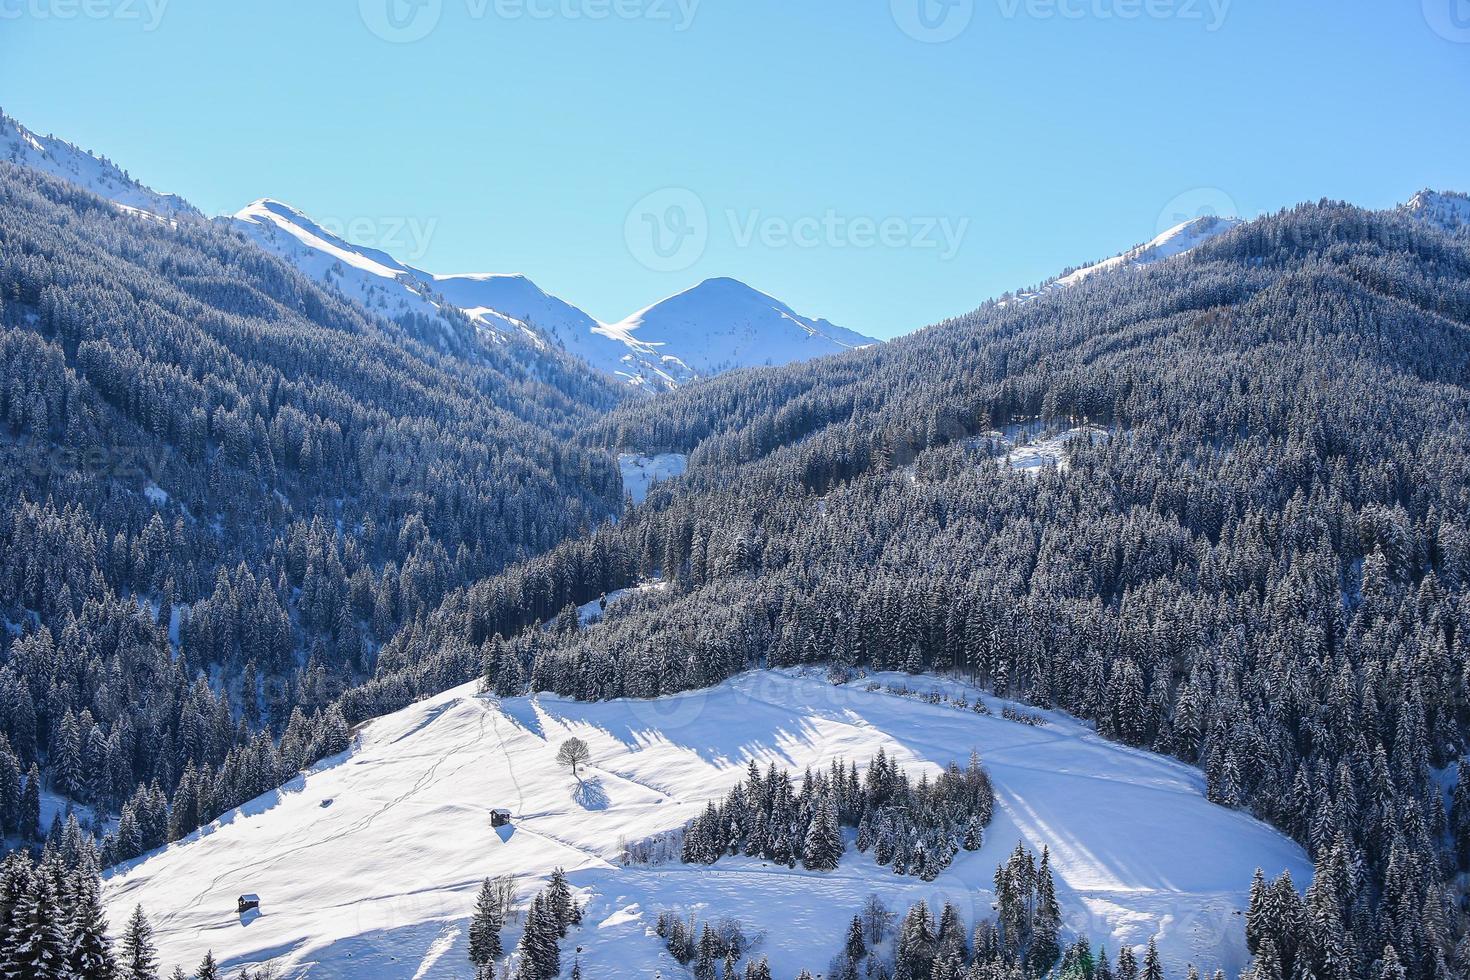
{"points": [[222, 488], [1257, 563]]}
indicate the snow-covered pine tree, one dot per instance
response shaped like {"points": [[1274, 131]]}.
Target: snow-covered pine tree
{"points": [[1153, 968], [1046, 922], [137, 956], [855, 947], [560, 903], [539, 955], [35, 942], [485, 925], [824, 845], [208, 968], [90, 951]]}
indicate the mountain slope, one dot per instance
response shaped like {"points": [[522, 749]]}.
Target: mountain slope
{"points": [[722, 324], [369, 864], [59, 158], [713, 327], [1260, 564], [1182, 238], [1447, 210]]}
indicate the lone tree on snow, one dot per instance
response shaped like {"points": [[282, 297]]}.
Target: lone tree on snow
{"points": [[574, 753]]}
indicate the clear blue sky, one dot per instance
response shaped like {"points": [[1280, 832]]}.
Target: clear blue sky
{"points": [[521, 135]]}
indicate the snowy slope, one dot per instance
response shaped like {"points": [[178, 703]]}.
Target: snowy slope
{"points": [[713, 327], [562, 324], [722, 324], [367, 866], [641, 472], [370, 276], [1447, 210], [1181, 238], [96, 174]]}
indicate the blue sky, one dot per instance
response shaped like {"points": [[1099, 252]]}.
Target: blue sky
{"points": [[862, 162]]}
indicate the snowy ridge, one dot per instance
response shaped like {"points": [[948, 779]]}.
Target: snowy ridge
{"points": [[368, 864], [1447, 210], [59, 158], [372, 277], [713, 327], [1182, 238], [722, 324]]}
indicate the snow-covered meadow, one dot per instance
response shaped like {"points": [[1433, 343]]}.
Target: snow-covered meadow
{"points": [[368, 865]]}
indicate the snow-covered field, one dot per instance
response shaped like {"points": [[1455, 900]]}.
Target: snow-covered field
{"points": [[642, 472], [367, 866], [1051, 451]]}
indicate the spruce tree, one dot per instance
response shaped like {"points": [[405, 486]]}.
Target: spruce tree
{"points": [[1046, 920], [36, 942], [485, 926], [90, 953], [1153, 968], [855, 947], [208, 968], [137, 956], [823, 847]]}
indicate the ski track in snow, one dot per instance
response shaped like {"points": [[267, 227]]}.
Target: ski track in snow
{"points": [[381, 882]]}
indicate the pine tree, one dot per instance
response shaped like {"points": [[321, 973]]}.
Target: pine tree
{"points": [[824, 846], [560, 903], [30, 805], [1046, 920], [485, 926], [540, 957], [90, 954], [137, 957], [1127, 964], [35, 942], [208, 968], [1153, 969], [855, 947]]}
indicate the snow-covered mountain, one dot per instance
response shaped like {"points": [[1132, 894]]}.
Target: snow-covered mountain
{"points": [[1182, 238], [368, 865], [722, 324], [1448, 210], [717, 325], [96, 174]]}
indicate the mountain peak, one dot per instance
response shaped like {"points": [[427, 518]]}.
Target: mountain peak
{"points": [[1447, 210], [55, 156]]}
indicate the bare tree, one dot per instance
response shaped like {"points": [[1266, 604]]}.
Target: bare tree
{"points": [[574, 753]]}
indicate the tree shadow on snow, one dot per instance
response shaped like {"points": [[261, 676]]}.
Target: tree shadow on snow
{"points": [[590, 794]]}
